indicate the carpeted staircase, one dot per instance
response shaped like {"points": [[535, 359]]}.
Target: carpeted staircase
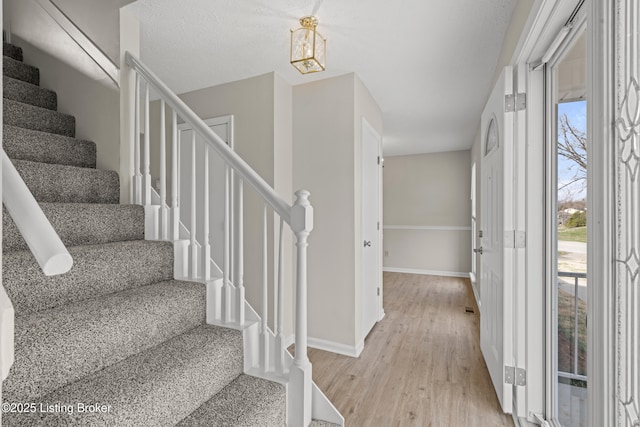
{"points": [[116, 332]]}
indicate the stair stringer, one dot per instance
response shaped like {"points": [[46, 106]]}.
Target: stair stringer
{"points": [[321, 407]]}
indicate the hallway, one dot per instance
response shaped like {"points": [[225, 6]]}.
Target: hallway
{"points": [[421, 365]]}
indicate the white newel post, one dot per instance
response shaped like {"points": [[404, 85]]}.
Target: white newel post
{"points": [[300, 381]]}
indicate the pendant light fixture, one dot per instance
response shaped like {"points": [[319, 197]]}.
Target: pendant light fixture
{"points": [[308, 47]]}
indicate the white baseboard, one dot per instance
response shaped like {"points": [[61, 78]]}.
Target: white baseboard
{"points": [[331, 346], [334, 347], [464, 275]]}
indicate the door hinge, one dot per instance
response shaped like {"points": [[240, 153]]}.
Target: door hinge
{"points": [[378, 159], [378, 225], [514, 239], [515, 376], [515, 102], [378, 291]]}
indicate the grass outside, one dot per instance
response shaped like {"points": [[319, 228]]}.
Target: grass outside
{"points": [[566, 309], [572, 234]]}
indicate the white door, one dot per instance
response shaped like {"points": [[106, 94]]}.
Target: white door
{"points": [[371, 240], [495, 318], [222, 126]]}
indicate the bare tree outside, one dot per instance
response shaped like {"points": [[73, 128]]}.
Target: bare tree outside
{"points": [[572, 145]]}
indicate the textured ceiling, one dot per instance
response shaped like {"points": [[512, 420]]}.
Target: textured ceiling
{"points": [[428, 64]]}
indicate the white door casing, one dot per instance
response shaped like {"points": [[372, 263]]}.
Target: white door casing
{"points": [[371, 235], [496, 329], [222, 126]]}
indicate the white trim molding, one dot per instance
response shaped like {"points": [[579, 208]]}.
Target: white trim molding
{"points": [[464, 275], [614, 213], [626, 154], [429, 227], [336, 347]]}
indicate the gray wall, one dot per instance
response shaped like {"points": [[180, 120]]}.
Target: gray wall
{"points": [[25, 15], [99, 20], [427, 213], [95, 106], [327, 118], [261, 109]]}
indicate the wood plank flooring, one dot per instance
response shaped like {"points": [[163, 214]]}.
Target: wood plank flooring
{"points": [[421, 365]]}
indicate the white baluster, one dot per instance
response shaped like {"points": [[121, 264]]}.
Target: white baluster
{"points": [[147, 149], [264, 339], [279, 309], [240, 261], [164, 209], [175, 201], [192, 223], [232, 234], [226, 287], [137, 177], [206, 247]]}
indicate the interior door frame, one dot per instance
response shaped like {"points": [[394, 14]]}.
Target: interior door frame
{"points": [[368, 128], [210, 122], [551, 111]]}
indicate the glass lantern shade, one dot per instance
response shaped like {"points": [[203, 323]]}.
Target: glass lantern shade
{"points": [[308, 47]]}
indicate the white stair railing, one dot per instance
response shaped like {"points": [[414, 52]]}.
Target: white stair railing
{"points": [[45, 244], [193, 242], [41, 238]]}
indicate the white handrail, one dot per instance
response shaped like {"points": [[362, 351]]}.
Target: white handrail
{"points": [[213, 140], [86, 44], [42, 239], [226, 301]]}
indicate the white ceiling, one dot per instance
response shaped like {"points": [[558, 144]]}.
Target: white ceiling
{"points": [[428, 64]]}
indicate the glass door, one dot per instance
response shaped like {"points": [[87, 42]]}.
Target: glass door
{"points": [[568, 161]]}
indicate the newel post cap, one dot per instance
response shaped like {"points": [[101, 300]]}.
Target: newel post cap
{"points": [[302, 213]]}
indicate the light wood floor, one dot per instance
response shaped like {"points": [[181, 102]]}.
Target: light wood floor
{"points": [[421, 365]]}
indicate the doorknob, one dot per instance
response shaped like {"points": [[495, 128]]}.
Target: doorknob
{"points": [[479, 250], [367, 243]]}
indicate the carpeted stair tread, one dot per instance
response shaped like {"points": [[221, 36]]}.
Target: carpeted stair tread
{"points": [[12, 51], [28, 93], [31, 117], [82, 224], [56, 347], [246, 402], [158, 387], [98, 270], [69, 184], [43, 147], [21, 71]]}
